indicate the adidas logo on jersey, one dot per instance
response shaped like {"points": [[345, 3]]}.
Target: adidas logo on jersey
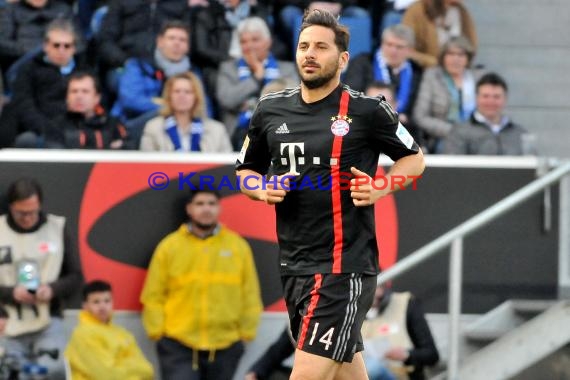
{"points": [[282, 129]]}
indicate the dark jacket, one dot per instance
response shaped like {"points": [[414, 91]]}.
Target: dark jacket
{"points": [[22, 26], [39, 93], [130, 27], [74, 131], [271, 360]]}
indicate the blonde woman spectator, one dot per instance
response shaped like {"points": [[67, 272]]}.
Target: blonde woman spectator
{"points": [[447, 93], [182, 124], [434, 22]]}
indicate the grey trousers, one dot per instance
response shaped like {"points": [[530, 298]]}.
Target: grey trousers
{"points": [[25, 348], [179, 362]]}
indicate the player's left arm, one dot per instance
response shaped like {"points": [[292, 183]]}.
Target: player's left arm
{"points": [[394, 140], [365, 190]]}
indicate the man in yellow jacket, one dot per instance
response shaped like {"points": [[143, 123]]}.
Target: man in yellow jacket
{"points": [[99, 349], [201, 295]]}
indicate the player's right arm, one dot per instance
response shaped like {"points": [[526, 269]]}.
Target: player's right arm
{"points": [[253, 163], [257, 188]]}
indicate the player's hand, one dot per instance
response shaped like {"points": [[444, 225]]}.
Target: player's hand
{"points": [[398, 354], [21, 295], [250, 376], [278, 188], [361, 190]]}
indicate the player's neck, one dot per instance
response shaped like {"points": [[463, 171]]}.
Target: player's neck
{"points": [[311, 95]]}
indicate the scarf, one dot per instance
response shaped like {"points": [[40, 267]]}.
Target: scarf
{"points": [[462, 101], [171, 129], [169, 67], [404, 90], [271, 73]]}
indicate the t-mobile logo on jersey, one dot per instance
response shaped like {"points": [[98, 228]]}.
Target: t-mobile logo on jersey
{"points": [[289, 158]]}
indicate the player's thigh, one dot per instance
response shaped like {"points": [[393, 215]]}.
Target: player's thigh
{"points": [[353, 371], [307, 366]]}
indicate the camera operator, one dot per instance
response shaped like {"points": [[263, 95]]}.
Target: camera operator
{"points": [[39, 267]]}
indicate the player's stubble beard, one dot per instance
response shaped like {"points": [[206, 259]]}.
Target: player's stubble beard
{"points": [[319, 81]]}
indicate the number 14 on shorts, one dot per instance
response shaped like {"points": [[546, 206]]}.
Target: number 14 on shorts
{"points": [[325, 338]]}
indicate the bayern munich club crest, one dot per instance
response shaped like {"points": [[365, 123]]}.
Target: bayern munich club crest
{"points": [[340, 125]]}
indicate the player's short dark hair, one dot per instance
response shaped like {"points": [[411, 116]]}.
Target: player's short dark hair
{"points": [[22, 189], [328, 20], [492, 79], [95, 286]]}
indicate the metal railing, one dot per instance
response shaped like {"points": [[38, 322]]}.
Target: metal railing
{"points": [[454, 238]]}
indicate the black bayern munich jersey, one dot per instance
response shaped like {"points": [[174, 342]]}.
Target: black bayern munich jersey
{"points": [[318, 227]]}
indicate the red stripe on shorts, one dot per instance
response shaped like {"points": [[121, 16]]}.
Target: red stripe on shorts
{"points": [[310, 311]]}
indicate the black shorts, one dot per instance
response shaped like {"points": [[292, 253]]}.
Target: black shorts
{"points": [[326, 312]]}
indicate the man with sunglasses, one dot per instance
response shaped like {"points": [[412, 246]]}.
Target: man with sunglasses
{"points": [[40, 87], [39, 267], [22, 27]]}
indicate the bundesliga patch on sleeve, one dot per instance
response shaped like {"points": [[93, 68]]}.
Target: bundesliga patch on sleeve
{"points": [[404, 136], [241, 156]]}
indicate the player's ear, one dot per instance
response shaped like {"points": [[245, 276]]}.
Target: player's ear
{"points": [[343, 60]]}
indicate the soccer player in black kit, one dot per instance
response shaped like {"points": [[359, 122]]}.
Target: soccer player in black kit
{"points": [[324, 141]]}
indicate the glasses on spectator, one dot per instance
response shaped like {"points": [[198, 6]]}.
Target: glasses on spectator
{"points": [[24, 214], [65, 45]]}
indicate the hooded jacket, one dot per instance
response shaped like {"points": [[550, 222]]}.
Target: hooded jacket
{"points": [[203, 293]]}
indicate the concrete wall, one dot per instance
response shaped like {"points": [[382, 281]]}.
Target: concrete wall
{"points": [[528, 42]]}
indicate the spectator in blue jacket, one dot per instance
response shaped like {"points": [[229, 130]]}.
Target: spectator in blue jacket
{"points": [[142, 80]]}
